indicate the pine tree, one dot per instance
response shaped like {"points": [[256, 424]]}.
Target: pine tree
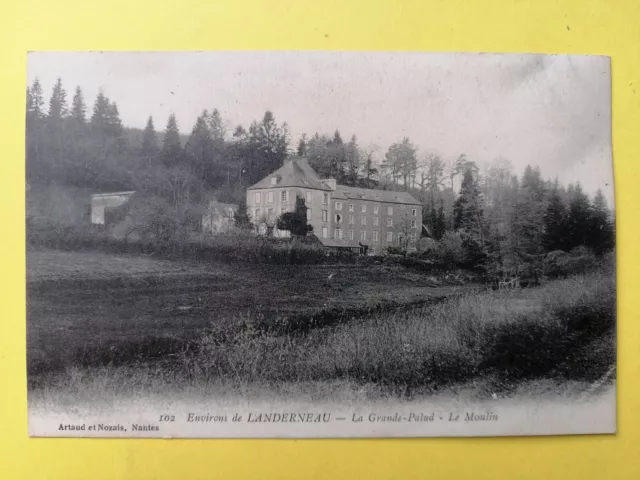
{"points": [[114, 124], [302, 145], [78, 107], [555, 235], [439, 223], [467, 210], [99, 118], [58, 102], [601, 237], [149, 139], [171, 146], [579, 218], [37, 99], [216, 126], [530, 225], [29, 98], [199, 148], [468, 219]]}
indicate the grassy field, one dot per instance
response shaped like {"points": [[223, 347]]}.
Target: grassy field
{"points": [[143, 324], [92, 308]]}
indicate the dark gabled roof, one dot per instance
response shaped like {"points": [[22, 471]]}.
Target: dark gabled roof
{"points": [[294, 173], [388, 196]]}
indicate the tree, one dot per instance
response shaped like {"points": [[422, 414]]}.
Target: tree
{"points": [[199, 149], [266, 148], [113, 125], [302, 145], [171, 146], [352, 162], [468, 219], [241, 217], [36, 100], [58, 102], [216, 126], [579, 219], [401, 161], [78, 107], [555, 223], [439, 223], [149, 139], [99, 118], [295, 222], [602, 236], [531, 203], [370, 172]]}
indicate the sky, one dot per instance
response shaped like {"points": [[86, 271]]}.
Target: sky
{"points": [[553, 111]]}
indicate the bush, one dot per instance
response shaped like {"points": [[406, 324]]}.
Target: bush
{"points": [[233, 246]]}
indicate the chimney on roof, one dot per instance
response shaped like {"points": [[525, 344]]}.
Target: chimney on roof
{"points": [[330, 183]]}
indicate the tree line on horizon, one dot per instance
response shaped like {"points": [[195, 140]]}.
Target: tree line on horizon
{"points": [[494, 212]]}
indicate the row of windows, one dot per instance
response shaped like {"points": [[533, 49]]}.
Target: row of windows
{"points": [[338, 234], [363, 220], [325, 217], [376, 210], [284, 198]]}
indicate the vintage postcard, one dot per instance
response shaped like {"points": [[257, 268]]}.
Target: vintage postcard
{"points": [[319, 244]]}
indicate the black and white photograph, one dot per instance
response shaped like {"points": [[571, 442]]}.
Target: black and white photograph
{"points": [[306, 244]]}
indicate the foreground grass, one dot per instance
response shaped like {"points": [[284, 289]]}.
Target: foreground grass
{"points": [[93, 308], [559, 334], [565, 329]]}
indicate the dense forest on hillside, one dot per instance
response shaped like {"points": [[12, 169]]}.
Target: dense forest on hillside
{"points": [[487, 215]]}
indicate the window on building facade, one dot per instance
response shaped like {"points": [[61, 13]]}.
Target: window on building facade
{"points": [[364, 209], [389, 210], [375, 209], [389, 222], [375, 221], [414, 212], [389, 236], [325, 199], [338, 205], [270, 197], [283, 210], [283, 196], [271, 213], [363, 234], [350, 234], [257, 214], [257, 198], [413, 235], [373, 250], [308, 215], [338, 218], [325, 216], [351, 219], [338, 234], [351, 207], [413, 224], [308, 198], [325, 232], [375, 235], [363, 221]]}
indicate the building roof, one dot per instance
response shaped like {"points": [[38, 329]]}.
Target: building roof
{"points": [[294, 173], [298, 173], [388, 196]]}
